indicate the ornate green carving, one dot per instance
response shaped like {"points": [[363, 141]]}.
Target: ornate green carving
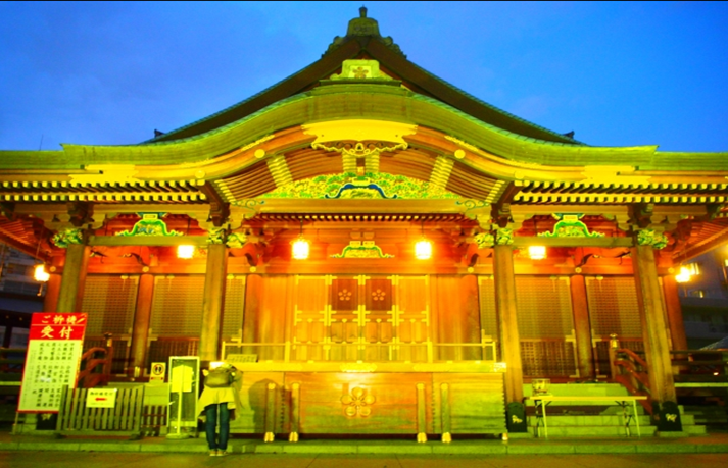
{"points": [[485, 240], [656, 240], [236, 240], [359, 249], [149, 226], [216, 236], [66, 237], [372, 185], [569, 225], [503, 236]]}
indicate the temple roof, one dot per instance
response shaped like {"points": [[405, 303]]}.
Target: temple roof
{"points": [[363, 112], [363, 40]]}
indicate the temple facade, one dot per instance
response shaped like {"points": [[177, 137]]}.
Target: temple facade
{"points": [[385, 246]]}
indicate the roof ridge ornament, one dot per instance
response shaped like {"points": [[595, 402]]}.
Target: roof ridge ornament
{"points": [[364, 26]]}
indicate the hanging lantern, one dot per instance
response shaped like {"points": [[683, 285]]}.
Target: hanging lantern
{"points": [[185, 251], [300, 248], [40, 273], [423, 249], [537, 252], [684, 275]]}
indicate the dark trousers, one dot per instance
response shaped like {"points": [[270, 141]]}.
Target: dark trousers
{"points": [[211, 422]]}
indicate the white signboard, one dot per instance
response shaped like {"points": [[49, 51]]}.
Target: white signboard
{"points": [[54, 354], [101, 397]]}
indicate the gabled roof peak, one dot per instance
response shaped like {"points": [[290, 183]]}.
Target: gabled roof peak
{"points": [[363, 27]]}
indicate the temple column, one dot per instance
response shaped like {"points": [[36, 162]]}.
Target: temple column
{"points": [[142, 320], [582, 328], [53, 288], [654, 326], [73, 279], [213, 302], [505, 303], [674, 313]]}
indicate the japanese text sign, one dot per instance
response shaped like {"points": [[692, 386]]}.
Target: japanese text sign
{"points": [[54, 356]]}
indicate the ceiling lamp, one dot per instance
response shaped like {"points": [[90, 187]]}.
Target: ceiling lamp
{"points": [[423, 248], [684, 275], [300, 246], [537, 252], [40, 273], [185, 251]]}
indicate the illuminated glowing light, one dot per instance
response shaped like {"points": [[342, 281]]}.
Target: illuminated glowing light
{"points": [[423, 250], [300, 249], [40, 273], [537, 252], [185, 251], [684, 275], [216, 364]]}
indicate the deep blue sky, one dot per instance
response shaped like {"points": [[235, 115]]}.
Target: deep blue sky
{"points": [[618, 74]]}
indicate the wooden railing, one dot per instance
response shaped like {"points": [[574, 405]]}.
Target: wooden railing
{"points": [[630, 370], [700, 366], [96, 366]]}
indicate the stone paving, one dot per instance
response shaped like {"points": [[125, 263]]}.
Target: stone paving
{"points": [[144, 460], [706, 444]]}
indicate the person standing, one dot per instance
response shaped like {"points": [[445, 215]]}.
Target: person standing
{"points": [[219, 396]]}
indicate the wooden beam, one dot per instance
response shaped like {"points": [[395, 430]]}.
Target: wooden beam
{"points": [[603, 242], [120, 241]]}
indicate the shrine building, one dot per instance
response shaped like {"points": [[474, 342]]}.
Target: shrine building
{"points": [[375, 238]]}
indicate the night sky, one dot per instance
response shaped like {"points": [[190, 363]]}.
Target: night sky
{"points": [[618, 74]]}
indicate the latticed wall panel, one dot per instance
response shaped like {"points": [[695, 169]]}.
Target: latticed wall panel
{"points": [[232, 317], [546, 325], [177, 306], [613, 306], [488, 313], [544, 307], [110, 302], [161, 350], [548, 358]]}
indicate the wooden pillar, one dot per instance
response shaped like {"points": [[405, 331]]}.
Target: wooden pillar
{"points": [[53, 288], [582, 327], [213, 301], [674, 313], [505, 303], [142, 321], [73, 279], [654, 326]]}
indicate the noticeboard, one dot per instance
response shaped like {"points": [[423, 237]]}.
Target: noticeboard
{"points": [[54, 354]]}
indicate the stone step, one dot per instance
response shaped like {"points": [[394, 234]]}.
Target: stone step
{"points": [[580, 421], [590, 431]]}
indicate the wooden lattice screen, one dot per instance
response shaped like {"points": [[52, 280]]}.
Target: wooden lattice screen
{"points": [[110, 302], [176, 316], [546, 326], [488, 313], [613, 308], [232, 317]]}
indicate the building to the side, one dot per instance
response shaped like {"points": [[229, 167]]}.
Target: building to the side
{"points": [[414, 296]]}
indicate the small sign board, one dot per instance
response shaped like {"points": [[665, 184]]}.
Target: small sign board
{"points": [[101, 397], [233, 358], [157, 372], [54, 354]]}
